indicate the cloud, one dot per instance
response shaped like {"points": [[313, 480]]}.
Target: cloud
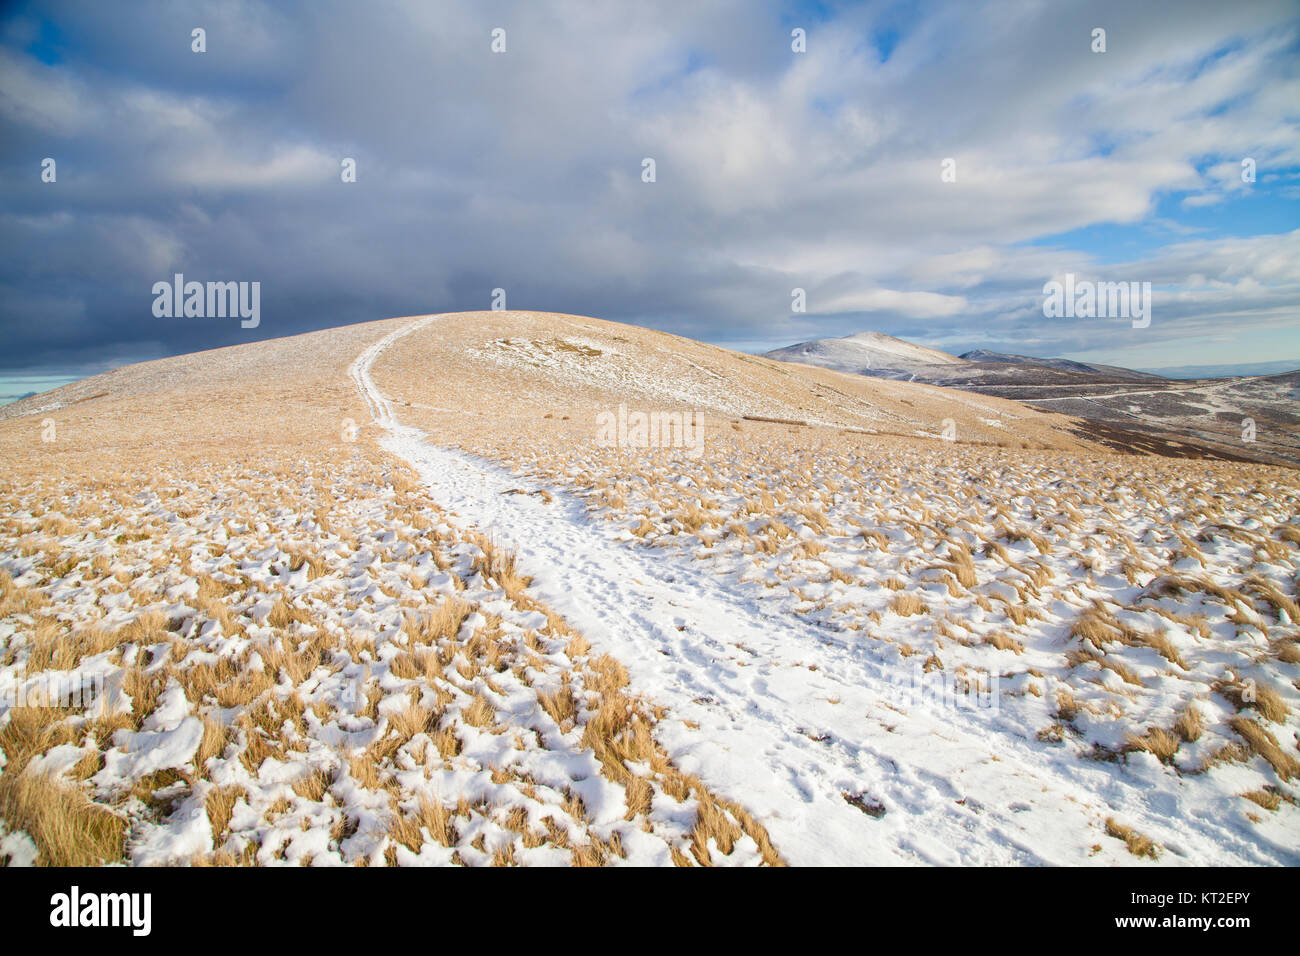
{"points": [[522, 170], [915, 304]]}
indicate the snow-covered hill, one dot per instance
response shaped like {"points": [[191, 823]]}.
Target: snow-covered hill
{"points": [[866, 353], [408, 601]]}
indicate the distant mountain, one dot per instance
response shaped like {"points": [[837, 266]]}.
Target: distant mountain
{"points": [[1066, 365], [1155, 410], [867, 353], [984, 355], [883, 356]]}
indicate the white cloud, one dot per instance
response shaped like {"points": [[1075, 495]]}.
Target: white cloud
{"points": [[921, 305]]}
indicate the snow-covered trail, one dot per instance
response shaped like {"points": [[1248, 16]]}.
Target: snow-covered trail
{"points": [[792, 717]]}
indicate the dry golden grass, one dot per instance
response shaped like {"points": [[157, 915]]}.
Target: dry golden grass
{"points": [[1270, 705], [1262, 742], [67, 828], [19, 600], [316, 566], [907, 604], [444, 622], [1190, 724], [1067, 708], [560, 706], [1004, 642], [1082, 656], [1160, 743], [431, 820], [1260, 697], [590, 697], [715, 827], [283, 614], [54, 647], [313, 786], [1137, 844], [1096, 627], [220, 805], [499, 565], [1268, 799], [1269, 593], [213, 744], [479, 713], [962, 564], [1158, 642], [147, 627]]}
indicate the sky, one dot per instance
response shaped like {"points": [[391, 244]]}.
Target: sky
{"points": [[775, 170]]}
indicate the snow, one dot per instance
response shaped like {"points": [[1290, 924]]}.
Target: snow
{"points": [[16, 849], [145, 752], [865, 351], [787, 683], [806, 716], [330, 782]]}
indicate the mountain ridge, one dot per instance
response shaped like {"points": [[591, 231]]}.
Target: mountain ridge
{"points": [[1253, 417]]}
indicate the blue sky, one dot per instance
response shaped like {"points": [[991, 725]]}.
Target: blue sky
{"points": [[1267, 208], [776, 170]]}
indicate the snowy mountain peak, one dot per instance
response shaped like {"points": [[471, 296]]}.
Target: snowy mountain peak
{"points": [[864, 352]]}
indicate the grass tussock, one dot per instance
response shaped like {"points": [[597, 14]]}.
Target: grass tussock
{"points": [[1005, 642], [905, 605], [1136, 843], [66, 826], [1190, 724], [1268, 799], [1262, 742], [430, 822], [1160, 743]]}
